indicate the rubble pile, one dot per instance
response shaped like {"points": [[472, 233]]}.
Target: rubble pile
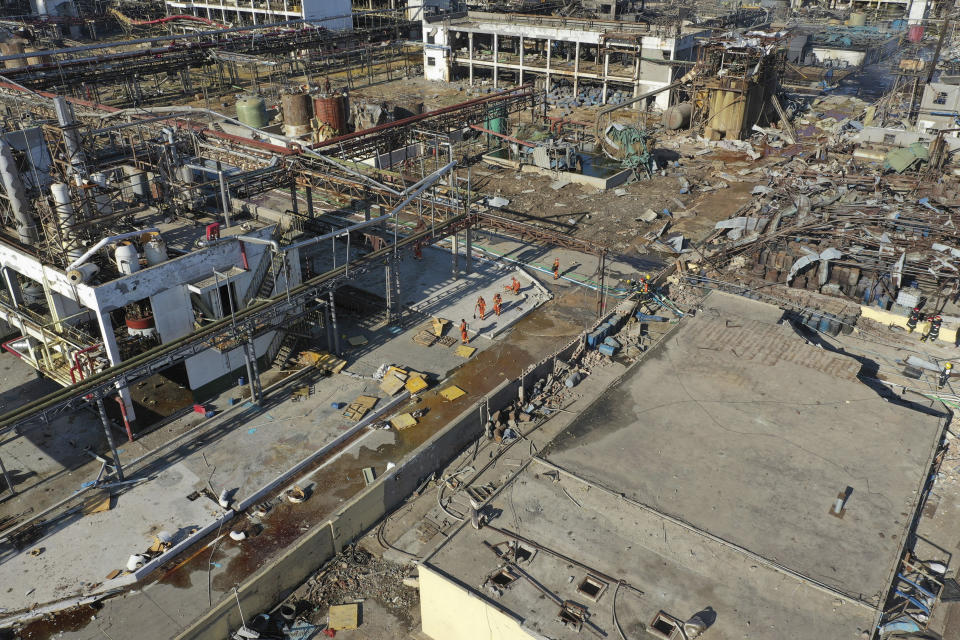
{"points": [[354, 575], [830, 228]]}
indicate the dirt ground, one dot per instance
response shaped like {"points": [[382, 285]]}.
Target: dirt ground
{"points": [[612, 217]]}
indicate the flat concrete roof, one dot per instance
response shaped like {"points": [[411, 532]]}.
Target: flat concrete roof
{"points": [[532, 25], [705, 476]]}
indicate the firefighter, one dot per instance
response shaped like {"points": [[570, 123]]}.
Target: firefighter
{"points": [[934, 332], [515, 285], [418, 251], [481, 307], [944, 375], [913, 319], [644, 285], [497, 302], [464, 338], [556, 268]]}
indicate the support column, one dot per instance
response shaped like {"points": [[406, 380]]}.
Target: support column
{"points": [[309, 201], [333, 325], [455, 243], [549, 56], [113, 447], [388, 278], [250, 355], [113, 355], [469, 260], [496, 61], [606, 73], [13, 286], [6, 479], [326, 325], [636, 82], [576, 68], [521, 59], [294, 204], [470, 55]]}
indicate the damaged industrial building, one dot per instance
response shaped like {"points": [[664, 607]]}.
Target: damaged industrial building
{"points": [[479, 320]]}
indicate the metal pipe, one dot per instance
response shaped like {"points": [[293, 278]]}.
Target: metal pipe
{"points": [[66, 218], [273, 243], [106, 429], [71, 139], [108, 240], [126, 421]]}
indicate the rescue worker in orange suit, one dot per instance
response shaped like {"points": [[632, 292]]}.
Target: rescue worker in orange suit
{"points": [[556, 268], [481, 307], [497, 302], [463, 332], [418, 251], [513, 286]]}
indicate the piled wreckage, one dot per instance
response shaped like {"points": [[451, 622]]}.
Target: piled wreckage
{"points": [[836, 229]]}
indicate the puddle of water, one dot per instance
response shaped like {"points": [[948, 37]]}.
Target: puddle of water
{"points": [[69, 621]]}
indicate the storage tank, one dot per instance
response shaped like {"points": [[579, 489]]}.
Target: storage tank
{"points": [[915, 33], [101, 198], [140, 324], [128, 258], [297, 111], [857, 19], [138, 185], [252, 111], [331, 111], [12, 47], [154, 249], [678, 116]]}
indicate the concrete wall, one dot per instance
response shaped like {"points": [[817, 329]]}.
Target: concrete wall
{"points": [[457, 612], [278, 579]]}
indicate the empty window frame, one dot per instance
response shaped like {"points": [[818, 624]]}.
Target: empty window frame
{"points": [[889, 138], [592, 587], [941, 98], [431, 61]]}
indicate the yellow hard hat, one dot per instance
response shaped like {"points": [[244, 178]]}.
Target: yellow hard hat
{"points": [[948, 366]]}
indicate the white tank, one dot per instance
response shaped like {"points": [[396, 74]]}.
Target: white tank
{"points": [[155, 251], [101, 198], [186, 174], [128, 258]]}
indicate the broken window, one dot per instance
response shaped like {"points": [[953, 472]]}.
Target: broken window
{"points": [[431, 62], [889, 138], [431, 39], [592, 587], [663, 626], [941, 98]]}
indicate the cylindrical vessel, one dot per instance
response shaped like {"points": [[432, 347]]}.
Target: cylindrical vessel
{"points": [[329, 110], [16, 195], [857, 19], [297, 111], [678, 116], [252, 111], [155, 250], [101, 199], [915, 33], [186, 174], [143, 327], [138, 185], [67, 219], [128, 258]]}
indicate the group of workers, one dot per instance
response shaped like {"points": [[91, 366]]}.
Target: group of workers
{"points": [[481, 307], [916, 315]]}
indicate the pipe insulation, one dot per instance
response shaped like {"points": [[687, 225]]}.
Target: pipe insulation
{"points": [[19, 206]]}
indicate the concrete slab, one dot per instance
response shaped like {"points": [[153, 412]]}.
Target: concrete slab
{"points": [[743, 429]]}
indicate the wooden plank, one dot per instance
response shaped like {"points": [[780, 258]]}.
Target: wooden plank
{"points": [[452, 393], [403, 421], [343, 616]]}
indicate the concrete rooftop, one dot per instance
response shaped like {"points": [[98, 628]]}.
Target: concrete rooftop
{"points": [[704, 477]]}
